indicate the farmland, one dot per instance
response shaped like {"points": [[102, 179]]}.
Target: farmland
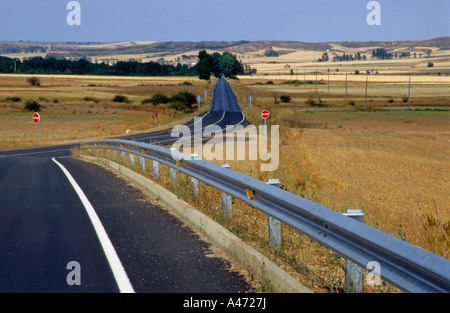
{"points": [[377, 150]]}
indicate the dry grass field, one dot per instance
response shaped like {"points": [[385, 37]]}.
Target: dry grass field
{"points": [[370, 153], [81, 107]]}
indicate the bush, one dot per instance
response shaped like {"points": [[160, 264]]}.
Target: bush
{"points": [[314, 103], [12, 99], [121, 99], [285, 99], [179, 106], [88, 99], [32, 105], [158, 98], [185, 97], [34, 81]]}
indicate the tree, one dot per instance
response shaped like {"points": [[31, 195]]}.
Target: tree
{"points": [[204, 65], [229, 65]]}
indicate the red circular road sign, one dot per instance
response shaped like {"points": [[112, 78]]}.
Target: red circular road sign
{"points": [[36, 118], [265, 114]]}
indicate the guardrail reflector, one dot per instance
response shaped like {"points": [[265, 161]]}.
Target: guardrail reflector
{"points": [[178, 162], [250, 193], [143, 150]]}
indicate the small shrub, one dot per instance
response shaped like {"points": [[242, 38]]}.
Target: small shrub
{"points": [[12, 99], [121, 99], [34, 81], [285, 99], [185, 97], [315, 102], [32, 105], [89, 99], [44, 99], [179, 106], [391, 100], [158, 98]]}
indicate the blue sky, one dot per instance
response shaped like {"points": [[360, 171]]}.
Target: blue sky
{"points": [[227, 20]]}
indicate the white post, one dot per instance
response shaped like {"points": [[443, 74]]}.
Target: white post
{"points": [[274, 224], [227, 203], [173, 172], [142, 164], [194, 181], [353, 272], [131, 160], [155, 169]]}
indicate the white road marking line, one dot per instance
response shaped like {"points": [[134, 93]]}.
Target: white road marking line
{"points": [[114, 262], [30, 153]]}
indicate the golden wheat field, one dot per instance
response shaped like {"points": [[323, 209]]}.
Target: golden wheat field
{"points": [[361, 152]]}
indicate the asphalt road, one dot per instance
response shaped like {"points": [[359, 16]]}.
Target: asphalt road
{"points": [[55, 210]]}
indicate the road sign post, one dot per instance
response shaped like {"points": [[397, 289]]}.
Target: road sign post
{"points": [[199, 99], [265, 115], [250, 98], [36, 120]]}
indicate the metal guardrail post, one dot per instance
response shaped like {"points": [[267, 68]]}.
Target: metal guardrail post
{"points": [[227, 201], [131, 160], [194, 181], [142, 164], [156, 169], [274, 224], [353, 272], [172, 172]]}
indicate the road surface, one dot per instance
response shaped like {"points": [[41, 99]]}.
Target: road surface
{"points": [[71, 226]]}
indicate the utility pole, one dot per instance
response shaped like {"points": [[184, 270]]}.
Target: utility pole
{"points": [[345, 86], [409, 96], [365, 102], [328, 81]]}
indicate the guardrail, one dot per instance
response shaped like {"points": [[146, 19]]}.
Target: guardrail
{"points": [[410, 268]]}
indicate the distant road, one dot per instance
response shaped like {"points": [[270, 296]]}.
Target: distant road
{"points": [[55, 210]]}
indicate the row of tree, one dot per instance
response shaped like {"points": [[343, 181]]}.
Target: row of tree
{"points": [[216, 64], [379, 53], [39, 65]]}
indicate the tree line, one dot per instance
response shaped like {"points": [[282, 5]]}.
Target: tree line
{"points": [[49, 65]]}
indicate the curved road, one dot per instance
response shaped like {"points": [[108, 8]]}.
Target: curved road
{"points": [[71, 226]]}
